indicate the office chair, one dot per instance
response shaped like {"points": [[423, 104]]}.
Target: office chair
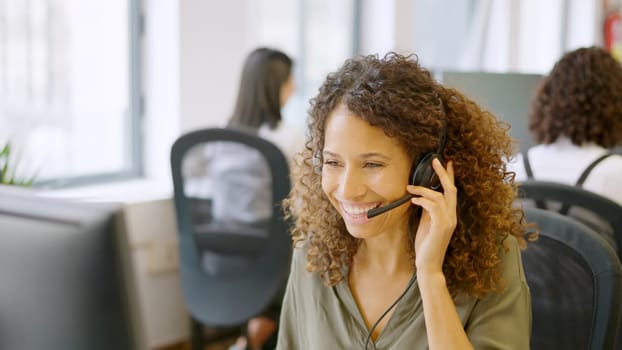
{"points": [[598, 212], [575, 280], [229, 299]]}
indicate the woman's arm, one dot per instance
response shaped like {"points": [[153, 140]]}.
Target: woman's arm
{"points": [[436, 226], [444, 328]]}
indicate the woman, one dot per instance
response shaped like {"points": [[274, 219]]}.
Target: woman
{"points": [[442, 268], [576, 117], [266, 84]]}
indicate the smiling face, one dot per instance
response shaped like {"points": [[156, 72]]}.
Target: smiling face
{"points": [[364, 169]]}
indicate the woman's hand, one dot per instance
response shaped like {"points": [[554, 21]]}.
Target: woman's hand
{"points": [[438, 220]]}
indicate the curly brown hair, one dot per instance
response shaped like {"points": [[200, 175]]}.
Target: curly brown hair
{"points": [[396, 94], [580, 99]]}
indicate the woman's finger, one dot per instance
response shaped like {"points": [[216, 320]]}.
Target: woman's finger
{"points": [[444, 175], [421, 191]]}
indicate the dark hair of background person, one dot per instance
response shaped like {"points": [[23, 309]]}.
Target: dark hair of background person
{"points": [[397, 95], [258, 102], [580, 99]]}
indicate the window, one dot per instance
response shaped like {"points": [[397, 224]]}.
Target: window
{"points": [[69, 88]]}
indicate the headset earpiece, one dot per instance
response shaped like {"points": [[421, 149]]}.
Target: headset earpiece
{"points": [[423, 174]]}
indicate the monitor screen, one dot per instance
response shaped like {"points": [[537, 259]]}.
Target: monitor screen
{"points": [[63, 282], [506, 95]]}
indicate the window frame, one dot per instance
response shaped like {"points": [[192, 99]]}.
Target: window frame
{"points": [[133, 123]]}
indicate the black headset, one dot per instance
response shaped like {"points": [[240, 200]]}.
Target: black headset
{"points": [[421, 174]]}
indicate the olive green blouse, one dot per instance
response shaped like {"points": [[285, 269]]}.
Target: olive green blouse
{"points": [[317, 317]]}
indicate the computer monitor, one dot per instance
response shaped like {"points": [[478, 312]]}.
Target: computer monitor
{"points": [[65, 281], [506, 95]]}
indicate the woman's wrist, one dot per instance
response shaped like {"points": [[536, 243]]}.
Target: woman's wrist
{"points": [[427, 276]]}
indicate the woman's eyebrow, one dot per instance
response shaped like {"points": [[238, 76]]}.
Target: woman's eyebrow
{"points": [[375, 154], [363, 155], [329, 153]]}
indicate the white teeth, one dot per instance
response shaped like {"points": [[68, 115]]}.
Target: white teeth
{"points": [[357, 210]]}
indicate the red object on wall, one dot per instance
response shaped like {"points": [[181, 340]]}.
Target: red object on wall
{"points": [[613, 34]]}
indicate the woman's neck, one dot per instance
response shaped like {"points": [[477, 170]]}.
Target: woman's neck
{"points": [[387, 254]]}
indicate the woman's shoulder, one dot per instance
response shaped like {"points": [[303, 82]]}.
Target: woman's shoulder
{"points": [[308, 283], [299, 255], [511, 261], [512, 277], [300, 251]]}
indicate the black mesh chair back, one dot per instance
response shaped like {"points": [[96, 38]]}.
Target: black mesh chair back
{"points": [[598, 212], [253, 255], [575, 280]]}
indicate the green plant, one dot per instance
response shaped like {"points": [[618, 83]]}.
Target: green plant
{"points": [[8, 166]]}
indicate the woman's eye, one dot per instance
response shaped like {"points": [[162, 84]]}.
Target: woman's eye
{"points": [[372, 165], [331, 162]]}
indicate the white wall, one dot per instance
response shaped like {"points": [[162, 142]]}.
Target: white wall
{"points": [[387, 25], [212, 46], [193, 52]]}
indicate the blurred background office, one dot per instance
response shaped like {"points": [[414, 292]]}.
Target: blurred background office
{"points": [[94, 93], [164, 67]]}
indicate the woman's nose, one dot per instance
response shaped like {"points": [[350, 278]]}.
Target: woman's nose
{"points": [[351, 184]]}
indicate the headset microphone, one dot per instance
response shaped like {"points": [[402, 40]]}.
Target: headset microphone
{"points": [[377, 211]]}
